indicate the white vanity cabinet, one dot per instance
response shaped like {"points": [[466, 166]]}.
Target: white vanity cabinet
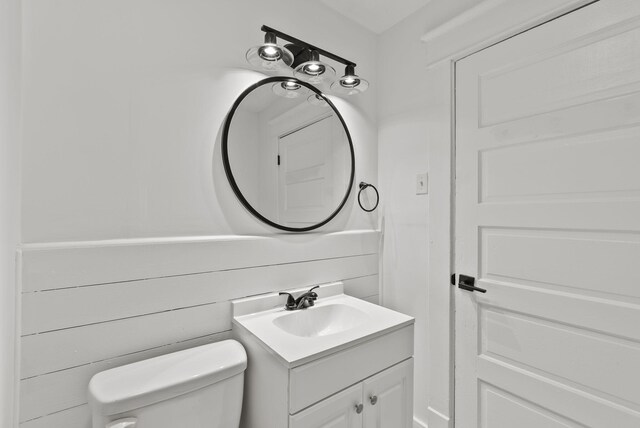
{"points": [[337, 411], [384, 400], [388, 397], [325, 372]]}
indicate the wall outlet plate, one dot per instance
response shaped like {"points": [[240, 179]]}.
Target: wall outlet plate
{"points": [[422, 184]]}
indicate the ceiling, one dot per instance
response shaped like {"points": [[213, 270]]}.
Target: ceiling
{"points": [[376, 15]]}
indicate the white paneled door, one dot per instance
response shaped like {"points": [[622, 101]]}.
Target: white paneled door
{"points": [[548, 222], [305, 186]]}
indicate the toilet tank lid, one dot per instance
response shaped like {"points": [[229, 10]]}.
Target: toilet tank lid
{"points": [[150, 381]]}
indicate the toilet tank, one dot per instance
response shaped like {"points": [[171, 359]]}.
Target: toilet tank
{"points": [[197, 388]]}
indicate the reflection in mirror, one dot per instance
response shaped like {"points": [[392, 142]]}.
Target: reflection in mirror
{"points": [[289, 160]]}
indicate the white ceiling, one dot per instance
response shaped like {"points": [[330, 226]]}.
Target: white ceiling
{"points": [[376, 15]]}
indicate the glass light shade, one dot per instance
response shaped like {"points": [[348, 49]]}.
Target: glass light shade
{"points": [[315, 71], [270, 56], [289, 89], [350, 83], [317, 100]]}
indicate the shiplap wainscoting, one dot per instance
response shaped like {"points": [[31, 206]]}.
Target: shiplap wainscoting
{"points": [[87, 307]]}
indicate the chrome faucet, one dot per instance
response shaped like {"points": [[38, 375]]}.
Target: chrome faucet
{"points": [[302, 302]]}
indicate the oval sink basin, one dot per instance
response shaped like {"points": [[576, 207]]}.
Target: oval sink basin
{"points": [[321, 321]]}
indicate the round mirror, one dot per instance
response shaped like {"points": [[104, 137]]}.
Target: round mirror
{"points": [[288, 154]]}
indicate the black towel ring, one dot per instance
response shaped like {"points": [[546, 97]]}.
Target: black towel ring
{"points": [[363, 186]]}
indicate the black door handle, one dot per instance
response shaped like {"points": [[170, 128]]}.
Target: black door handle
{"points": [[468, 283]]}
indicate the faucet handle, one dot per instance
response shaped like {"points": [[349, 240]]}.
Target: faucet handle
{"points": [[291, 302], [312, 294], [305, 303]]}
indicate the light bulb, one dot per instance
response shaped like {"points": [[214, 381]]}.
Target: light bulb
{"points": [[314, 71], [289, 89], [350, 83], [290, 86], [270, 52], [269, 56]]}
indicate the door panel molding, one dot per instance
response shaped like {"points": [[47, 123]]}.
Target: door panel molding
{"points": [[547, 218], [489, 23]]}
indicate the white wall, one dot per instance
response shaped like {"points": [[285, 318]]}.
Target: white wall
{"points": [[123, 104], [418, 124], [406, 148], [9, 195], [155, 297]]}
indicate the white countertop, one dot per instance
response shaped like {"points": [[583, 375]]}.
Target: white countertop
{"points": [[293, 350]]}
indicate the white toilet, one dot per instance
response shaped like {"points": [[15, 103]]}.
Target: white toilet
{"points": [[195, 388]]}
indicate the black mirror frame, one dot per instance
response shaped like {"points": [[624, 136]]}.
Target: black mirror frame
{"points": [[227, 165]]}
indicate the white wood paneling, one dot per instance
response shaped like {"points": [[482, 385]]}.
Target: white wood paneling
{"points": [[362, 287], [60, 349], [372, 299], [52, 266], [130, 300], [47, 394], [68, 307], [76, 417]]}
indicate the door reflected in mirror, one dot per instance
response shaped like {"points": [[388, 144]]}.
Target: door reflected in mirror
{"points": [[288, 154]]}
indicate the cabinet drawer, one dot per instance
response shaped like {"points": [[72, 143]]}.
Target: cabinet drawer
{"points": [[314, 381]]}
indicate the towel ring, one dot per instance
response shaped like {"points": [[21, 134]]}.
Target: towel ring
{"points": [[363, 186]]}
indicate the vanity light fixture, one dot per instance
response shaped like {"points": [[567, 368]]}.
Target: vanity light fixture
{"points": [[304, 59], [350, 83], [315, 71], [317, 100], [270, 56], [288, 89]]}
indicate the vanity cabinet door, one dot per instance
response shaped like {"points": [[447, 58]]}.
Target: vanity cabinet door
{"points": [[337, 411], [388, 397]]}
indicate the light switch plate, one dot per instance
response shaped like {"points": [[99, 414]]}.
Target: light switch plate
{"points": [[422, 184]]}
